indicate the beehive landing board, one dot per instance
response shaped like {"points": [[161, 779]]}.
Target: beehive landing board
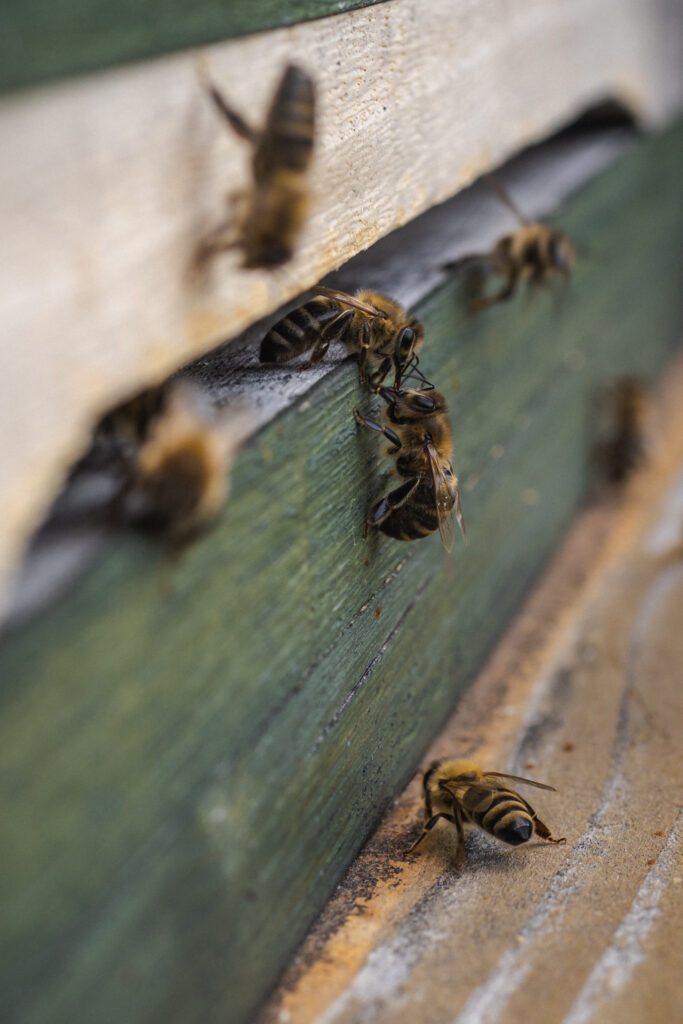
{"points": [[193, 752], [583, 693]]}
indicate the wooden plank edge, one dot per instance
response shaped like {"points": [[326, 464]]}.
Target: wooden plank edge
{"points": [[77, 37]]}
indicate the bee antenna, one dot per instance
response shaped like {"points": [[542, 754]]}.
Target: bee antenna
{"points": [[412, 372], [502, 194]]}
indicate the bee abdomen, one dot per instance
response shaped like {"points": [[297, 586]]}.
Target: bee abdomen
{"points": [[417, 518], [515, 828], [505, 817], [291, 121], [296, 332]]}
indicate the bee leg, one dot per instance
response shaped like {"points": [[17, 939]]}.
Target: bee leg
{"points": [[389, 434], [365, 346], [460, 852], [334, 331], [544, 832], [224, 236], [235, 120], [505, 292], [379, 374], [388, 504], [430, 825]]}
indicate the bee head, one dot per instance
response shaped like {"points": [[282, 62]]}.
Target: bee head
{"points": [[562, 252]]}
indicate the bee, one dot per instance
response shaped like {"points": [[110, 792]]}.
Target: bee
{"points": [[375, 327], [421, 441], [270, 215], [462, 793], [173, 451], [533, 252], [621, 448]]}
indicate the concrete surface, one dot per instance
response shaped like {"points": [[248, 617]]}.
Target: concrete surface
{"points": [[584, 694]]}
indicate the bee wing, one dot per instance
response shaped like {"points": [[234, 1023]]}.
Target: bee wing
{"points": [[471, 794], [458, 512], [504, 197], [517, 778], [442, 494], [350, 300]]}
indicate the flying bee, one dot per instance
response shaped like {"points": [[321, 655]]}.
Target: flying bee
{"points": [[174, 452], [462, 793], [621, 446], [371, 325], [421, 440], [270, 215], [531, 253]]}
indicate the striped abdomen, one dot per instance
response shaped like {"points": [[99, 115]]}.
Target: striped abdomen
{"points": [[503, 814], [287, 140], [298, 331], [416, 518]]}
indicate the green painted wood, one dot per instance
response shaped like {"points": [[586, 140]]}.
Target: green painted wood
{"points": [[191, 753], [44, 39]]}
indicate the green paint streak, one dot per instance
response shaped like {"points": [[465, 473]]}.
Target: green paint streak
{"points": [[46, 39], [191, 753]]}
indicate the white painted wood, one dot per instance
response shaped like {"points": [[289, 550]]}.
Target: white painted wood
{"points": [[108, 183]]}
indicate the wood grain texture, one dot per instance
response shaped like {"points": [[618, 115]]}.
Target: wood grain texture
{"points": [[108, 184], [192, 752], [583, 692], [42, 40]]}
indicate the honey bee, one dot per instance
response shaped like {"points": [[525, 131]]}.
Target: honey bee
{"points": [[531, 253], [174, 452], [421, 440], [622, 446], [462, 793], [270, 215], [375, 327]]}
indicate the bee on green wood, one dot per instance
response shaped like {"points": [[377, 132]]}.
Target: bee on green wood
{"points": [[622, 415], [420, 438], [532, 253], [175, 451], [374, 327]]}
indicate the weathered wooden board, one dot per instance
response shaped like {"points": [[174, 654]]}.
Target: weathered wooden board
{"points": [[108, 184], [42, 40], [583, 692], [192, 752]]}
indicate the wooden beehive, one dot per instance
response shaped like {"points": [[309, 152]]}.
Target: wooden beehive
{"points": [[193, 751]]}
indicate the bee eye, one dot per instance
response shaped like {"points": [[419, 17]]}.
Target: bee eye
{"points": [[423, 402], [560, 252], [406, 341]]}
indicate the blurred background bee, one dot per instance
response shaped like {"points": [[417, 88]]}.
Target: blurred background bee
{"points": [[172, 451], [270, 215], [421, 442], [531, 253], [462, 793], [376, 328], [620, 423]]}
